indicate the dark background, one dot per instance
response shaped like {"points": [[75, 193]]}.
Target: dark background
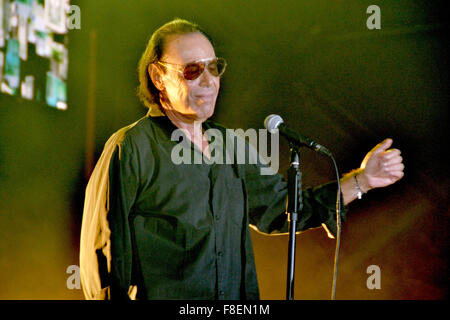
{"points": [[314, 63]]}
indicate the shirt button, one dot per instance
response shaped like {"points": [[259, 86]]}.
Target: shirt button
{"points": [[220, 253], [221, 293], [217, 217]]}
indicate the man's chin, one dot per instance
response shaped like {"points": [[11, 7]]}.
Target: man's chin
{"points": [[204, 112]]}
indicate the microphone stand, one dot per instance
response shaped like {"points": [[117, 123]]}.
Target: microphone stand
{"points": [[294, 206]]}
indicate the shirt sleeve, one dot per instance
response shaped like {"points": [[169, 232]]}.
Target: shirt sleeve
{"points": [[267, 199], [124, 183]]}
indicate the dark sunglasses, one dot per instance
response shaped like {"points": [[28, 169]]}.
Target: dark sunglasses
{"points": [[193, 70]]}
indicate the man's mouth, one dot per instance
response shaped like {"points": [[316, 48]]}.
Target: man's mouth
{"points": [[205, 96]]}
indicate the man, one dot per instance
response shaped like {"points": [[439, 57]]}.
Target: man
{"points": [[156, 230]]}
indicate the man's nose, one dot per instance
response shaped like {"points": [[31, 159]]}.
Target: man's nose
{"points": [[206, 78]]}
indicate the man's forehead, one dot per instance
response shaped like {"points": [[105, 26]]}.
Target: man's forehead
{"points": [[188, 47]]}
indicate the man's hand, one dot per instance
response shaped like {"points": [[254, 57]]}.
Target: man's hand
{"points": [[381, 167]]}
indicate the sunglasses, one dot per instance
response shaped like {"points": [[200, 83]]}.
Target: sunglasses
{"points": [[193, 70]]}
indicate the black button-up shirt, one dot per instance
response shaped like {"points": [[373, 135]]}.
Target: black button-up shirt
{"points": [[181, 231]]}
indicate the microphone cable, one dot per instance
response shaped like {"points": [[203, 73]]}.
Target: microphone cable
{"points": [[338, 229]]}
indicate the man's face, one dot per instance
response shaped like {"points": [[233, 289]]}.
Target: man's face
{"points": [[191, 99]]}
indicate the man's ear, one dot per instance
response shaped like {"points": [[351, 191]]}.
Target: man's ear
{"points": [[155, 75]]}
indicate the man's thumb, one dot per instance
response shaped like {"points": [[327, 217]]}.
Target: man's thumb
{"points": [[383, 146]]}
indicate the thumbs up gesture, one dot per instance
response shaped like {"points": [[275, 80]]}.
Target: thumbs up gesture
{"points": [[381, 166]]}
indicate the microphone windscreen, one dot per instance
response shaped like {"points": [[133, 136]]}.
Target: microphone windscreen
{"points": [[272, 122]]}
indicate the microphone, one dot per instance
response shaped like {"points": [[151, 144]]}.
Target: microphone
{"points": [[274, 121]]}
